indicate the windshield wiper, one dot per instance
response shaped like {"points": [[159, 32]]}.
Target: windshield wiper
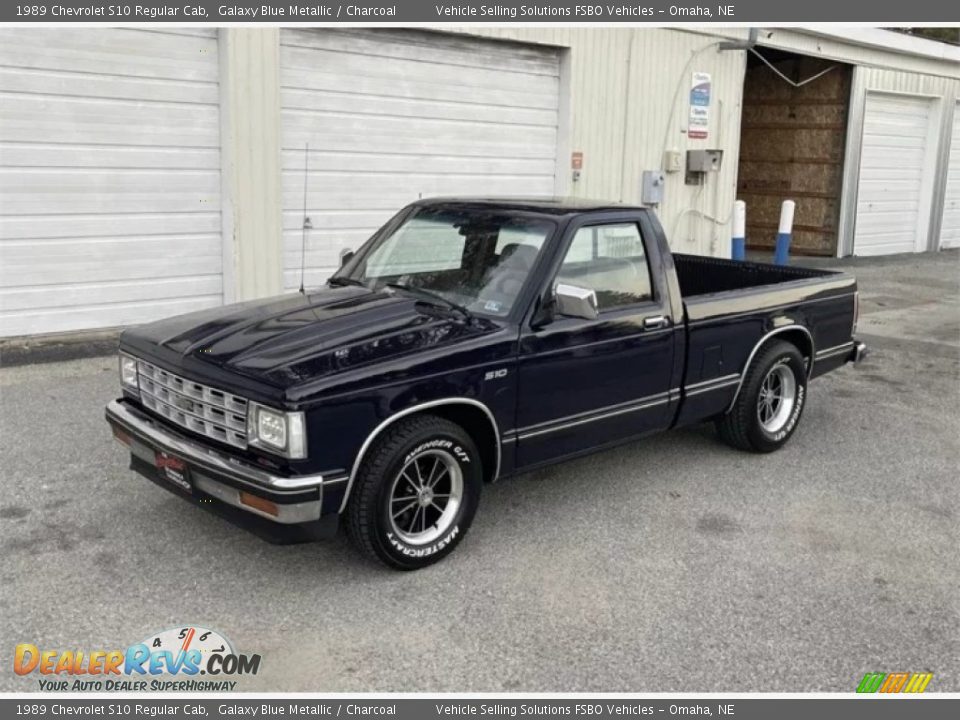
{"points": [[341, 280], [432, 297]]}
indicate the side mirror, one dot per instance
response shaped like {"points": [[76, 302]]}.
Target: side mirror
{"points": [[345, 256], [574, 301]]}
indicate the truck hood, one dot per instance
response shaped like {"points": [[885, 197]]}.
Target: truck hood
{"points": [[285, 340]]}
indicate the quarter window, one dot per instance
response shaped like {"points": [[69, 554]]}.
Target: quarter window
{"points": [[610, 260]]}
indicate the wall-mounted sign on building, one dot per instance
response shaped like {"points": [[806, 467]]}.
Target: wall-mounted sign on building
{"points": [[699, 119]]}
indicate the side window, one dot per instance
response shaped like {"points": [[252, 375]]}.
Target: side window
{"points": [[610, 260]]}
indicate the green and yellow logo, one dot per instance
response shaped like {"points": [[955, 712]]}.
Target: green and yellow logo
{"points": [[901, 682]]}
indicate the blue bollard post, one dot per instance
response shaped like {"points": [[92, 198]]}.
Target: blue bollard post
{"points": [[738, 244], [781, 255]]}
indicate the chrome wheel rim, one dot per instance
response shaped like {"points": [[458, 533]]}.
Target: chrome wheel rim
{"points": [[425, 497], [777, 398]]}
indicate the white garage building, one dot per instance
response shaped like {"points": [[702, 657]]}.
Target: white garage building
{"points": [[147, 172]]}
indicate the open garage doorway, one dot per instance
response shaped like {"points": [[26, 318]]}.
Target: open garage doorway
{"points": [[793, 133]]}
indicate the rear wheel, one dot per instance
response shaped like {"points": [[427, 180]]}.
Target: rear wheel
{"points": [[416, 493], [770, 403]]}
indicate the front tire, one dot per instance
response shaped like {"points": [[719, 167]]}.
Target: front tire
{"points": [[770, 403], [416, 493]]}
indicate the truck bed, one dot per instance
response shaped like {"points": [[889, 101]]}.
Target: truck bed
{"points": [[731, 306], [699, 275]]}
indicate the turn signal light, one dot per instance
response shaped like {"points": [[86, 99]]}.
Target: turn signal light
{"points": [[121, 435], [258, 503]]}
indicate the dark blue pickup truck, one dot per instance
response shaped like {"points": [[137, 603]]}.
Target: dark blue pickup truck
{"points": [[469, 340]]}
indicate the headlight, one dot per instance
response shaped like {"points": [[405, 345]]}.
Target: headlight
{"points": [[276, 431], [128, 372]]}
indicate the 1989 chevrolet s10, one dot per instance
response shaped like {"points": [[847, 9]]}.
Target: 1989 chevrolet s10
{"points": [[469, 340]]}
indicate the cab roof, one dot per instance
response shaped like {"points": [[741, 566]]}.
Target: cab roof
{"points": [[547, 205]]}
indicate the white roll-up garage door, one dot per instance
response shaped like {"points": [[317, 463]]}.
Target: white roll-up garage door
{"points": [[109, 177], [896, 175], [950, 228], [391, 115]]}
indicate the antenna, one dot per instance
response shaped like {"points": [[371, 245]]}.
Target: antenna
{"points": [[307, 225]]}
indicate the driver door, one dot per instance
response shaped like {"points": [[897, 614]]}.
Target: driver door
{"points": [[585, 383]]}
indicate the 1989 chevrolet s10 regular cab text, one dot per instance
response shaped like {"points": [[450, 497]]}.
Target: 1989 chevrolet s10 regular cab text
{"points": [[468, 340]]}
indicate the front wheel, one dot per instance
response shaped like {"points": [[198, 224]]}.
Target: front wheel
{"points": [[770, 402], [417, 492]]}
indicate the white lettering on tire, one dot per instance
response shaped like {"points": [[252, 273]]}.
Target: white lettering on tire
{"points": [[461, 454], [424, 551], [794, 416]]}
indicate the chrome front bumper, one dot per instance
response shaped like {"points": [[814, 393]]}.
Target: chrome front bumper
{"points": [[297, 499], [859, 352]]}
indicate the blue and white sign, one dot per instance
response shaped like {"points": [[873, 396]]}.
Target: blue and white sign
{"points": [[699, 119], [700, 89]]}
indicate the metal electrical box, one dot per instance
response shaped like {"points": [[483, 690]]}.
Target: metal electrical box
{"points": [[704, 160], [651, 188], [701, 162]]}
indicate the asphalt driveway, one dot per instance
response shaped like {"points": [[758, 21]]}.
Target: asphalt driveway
{"points": [[674, 564]]}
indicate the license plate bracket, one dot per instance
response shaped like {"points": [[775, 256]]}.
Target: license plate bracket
{"points": [[174, 470]]}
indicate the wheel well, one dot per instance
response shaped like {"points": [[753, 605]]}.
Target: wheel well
{"points": [[801, 339], [478, 426]]}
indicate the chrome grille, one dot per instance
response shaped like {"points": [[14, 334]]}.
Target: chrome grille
{"points": [[200, 408]]}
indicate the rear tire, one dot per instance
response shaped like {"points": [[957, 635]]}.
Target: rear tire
{"points": [[416, 493], [770, 403]]}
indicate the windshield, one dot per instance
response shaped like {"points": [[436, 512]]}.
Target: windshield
{"points": [[477, 259]]}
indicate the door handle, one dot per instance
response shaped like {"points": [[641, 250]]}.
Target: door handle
{"points": [[656, 322]]}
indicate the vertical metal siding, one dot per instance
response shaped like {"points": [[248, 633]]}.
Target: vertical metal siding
{"points": [[950, 226], [624, 86]]}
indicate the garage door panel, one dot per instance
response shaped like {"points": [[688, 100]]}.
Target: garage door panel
{"points": [[114, 314], [104, 293], [126, 52], [391, 115], [16, 275], [26, 226], [109, 177], [107, 205], [402, 71], [49, 253], [445, 48], [88, 85], [75, 120], [99, 156], [337, 219], [332, 103], [384, 127], [539, 95], [388, 144], [398, 195], [897, 142], [108, 182], [894, 187], [293, 162], [325, 185]]}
